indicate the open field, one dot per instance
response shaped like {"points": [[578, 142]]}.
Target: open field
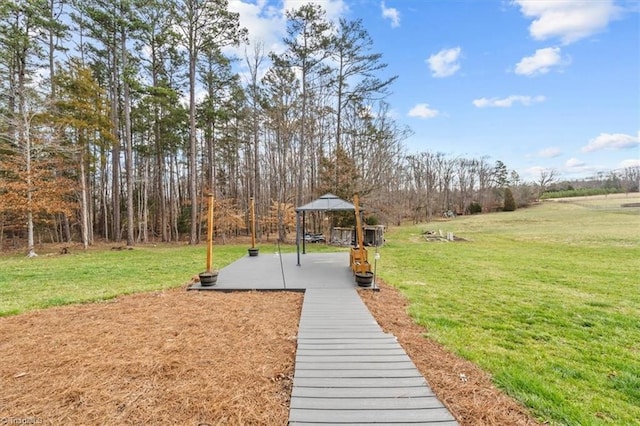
{"points": [[546, 299], [53, 280]]}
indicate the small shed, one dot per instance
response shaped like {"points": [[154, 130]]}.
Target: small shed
{"points": [[327, 203], [373, 236], [343, 237]]}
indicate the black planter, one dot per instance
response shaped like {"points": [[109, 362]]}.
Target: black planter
{"points": [[208, 278], [364, 279], [253, 251]]}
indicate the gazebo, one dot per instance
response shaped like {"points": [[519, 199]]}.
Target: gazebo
{"points": [[328, 202]]}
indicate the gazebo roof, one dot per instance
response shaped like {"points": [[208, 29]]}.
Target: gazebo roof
{"points": [[328, 202]]}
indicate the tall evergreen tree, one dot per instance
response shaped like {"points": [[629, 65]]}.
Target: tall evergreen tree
{"points": [[308, 41], [102, 22], [509, 201], [204, 24], [160, 98], [356, 78], [82, 114]]}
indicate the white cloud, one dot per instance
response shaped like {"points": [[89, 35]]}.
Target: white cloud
{"points": [[445, 63], [423, 111], [569, 20], [572, 163], [612, 141], [334, 8], [533, 173], [540, 63], [267, 23], [632, 162], [392, 14], [549, 152], [575, 166], [508, 101], [264, 23]]}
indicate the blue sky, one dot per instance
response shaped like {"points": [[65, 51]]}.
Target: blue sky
{"points": [[536, 84]]}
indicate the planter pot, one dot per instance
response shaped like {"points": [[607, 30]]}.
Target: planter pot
{"points": [[253, 251], [364, 279], [208, 278]]}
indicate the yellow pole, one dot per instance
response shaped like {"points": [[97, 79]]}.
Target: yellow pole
{"points": [[253, 223], [356, 203], [210, 235]]}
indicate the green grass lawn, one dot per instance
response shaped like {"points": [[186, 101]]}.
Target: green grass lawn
{"points": [[45, 281], [546, 299], [99, 274]]}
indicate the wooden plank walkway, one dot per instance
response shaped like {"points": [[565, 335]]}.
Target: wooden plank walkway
{"points": [[270, 271], [348, 371]]}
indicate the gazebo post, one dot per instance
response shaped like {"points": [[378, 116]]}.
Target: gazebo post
{"points": [[304, 226]]}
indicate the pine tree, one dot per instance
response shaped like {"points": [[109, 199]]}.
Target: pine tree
{"points": [[308, 41], [204, 25], [83, 116], [356, 79]]}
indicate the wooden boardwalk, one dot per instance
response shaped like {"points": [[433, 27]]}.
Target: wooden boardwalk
{"points": [[347, 370]]}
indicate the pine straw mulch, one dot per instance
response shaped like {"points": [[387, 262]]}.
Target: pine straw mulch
{"points": [[199, 358], [172, 357]]}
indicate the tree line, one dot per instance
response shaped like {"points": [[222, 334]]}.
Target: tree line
{"points": [[118, 117]]}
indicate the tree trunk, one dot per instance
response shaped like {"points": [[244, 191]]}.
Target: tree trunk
{"points": [[115, 153], [84, 213], [31, 251], [193, 172], [173, 199], [128, 142]]}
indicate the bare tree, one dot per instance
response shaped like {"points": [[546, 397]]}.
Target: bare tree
{"points": [[547, 177], [254, 63]]}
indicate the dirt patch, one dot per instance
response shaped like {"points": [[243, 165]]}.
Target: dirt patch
{"points": [[463, 387], [199, 358], [173, 357], [439, 236]]}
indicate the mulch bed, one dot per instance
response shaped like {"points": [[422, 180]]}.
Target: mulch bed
{"points": [[199, 358], [173, 357]]}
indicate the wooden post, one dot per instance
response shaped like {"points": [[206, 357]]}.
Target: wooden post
{"points": [[210, 235], [359, 237], [253, 223]]}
